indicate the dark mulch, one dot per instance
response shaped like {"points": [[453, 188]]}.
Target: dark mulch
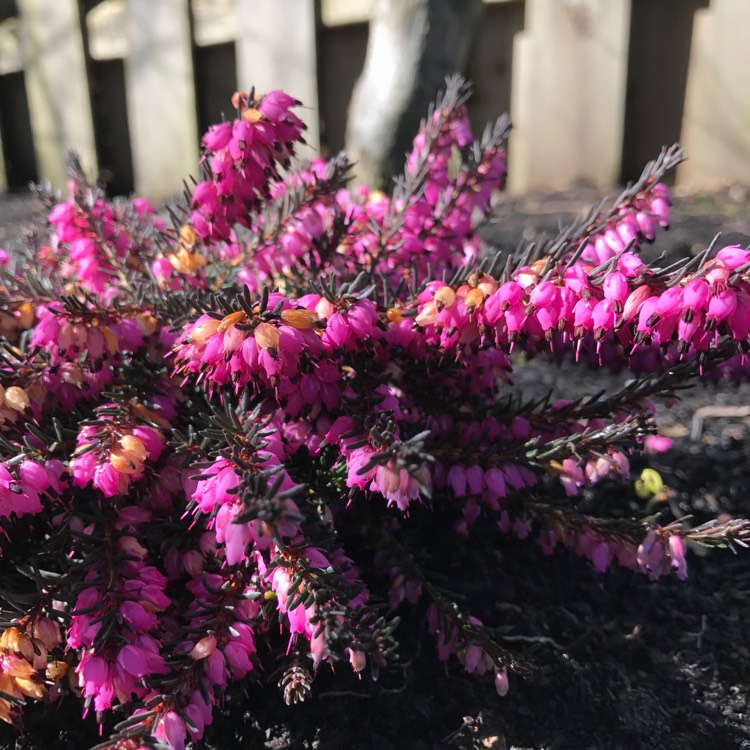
{"points": [[619, 662]]}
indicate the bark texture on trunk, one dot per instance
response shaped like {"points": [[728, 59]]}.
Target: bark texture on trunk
{"points": [[413, 46]]}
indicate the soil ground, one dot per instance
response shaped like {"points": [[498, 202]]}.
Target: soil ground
{"points": [[619, 662]]}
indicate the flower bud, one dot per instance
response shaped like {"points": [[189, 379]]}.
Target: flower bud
{"points": [[16, 398], [299, 318], [132, 444], [111, 343], [267, 336], [445, 297], [71, 373], [201, 332], [125, 462], [230, 320], [24, 315], [56, 670], [204, 648], [501, 682], [357, 659]]}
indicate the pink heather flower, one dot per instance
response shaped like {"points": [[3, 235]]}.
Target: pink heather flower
{"points": [[107, 479], [139, 619], [677, 554], [615, 288], [357, 659], [601, 556], [733, 256], [495, 483], [475, 479], [660, 209], [95, 680], [573, 477], [238, 659], [739, 321], [396, 484], [133, 660], [721, 306], [501, 682], [647, 224], [457, 480], [319, 384], [658, 444], [171, 728], [696, 294]]}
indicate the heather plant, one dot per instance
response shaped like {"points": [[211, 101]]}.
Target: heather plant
{"points": [[226, 429]]}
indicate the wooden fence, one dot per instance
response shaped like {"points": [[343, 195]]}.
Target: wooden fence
{"points": [[595, 87]]}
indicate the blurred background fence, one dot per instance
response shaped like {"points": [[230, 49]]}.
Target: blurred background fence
{"points": [[595, 87]]}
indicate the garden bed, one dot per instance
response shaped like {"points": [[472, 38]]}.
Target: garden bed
{"points": [[618, 661]]}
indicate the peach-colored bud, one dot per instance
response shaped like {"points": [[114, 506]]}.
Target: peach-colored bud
{"points": [[111, 343], [357, 659], [125, 462], [267, 336], [28, 687], [488, 285], [395, 315], [134, 445], [203, 331], [539, 265], [428, 314], [186, 262], [56, 670], [474, 299], [25, 647], [71, 373], [36, 391], [300, 319], [10, 639], [47, 632], [376, 196], [239, 99], [463, 290], [6, 709], [445, 297], [178, 265], [146, 324], [324, 308], [634, 301], [188, 236], [526, 277], [204, 648], [16, 398], [252, 115], [231, 319], [24, 315]]}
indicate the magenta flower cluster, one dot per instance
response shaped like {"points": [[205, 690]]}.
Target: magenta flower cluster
{"points": [[196, 413]]}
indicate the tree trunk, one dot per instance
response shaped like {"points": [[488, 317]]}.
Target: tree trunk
{"points": [[413, 46]]}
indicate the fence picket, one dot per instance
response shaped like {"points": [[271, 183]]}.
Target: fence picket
{"points": [[161, 95], [276, 50], [3, 179], [569, 70], [57, 86], [568, 92], [716, 123]]}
